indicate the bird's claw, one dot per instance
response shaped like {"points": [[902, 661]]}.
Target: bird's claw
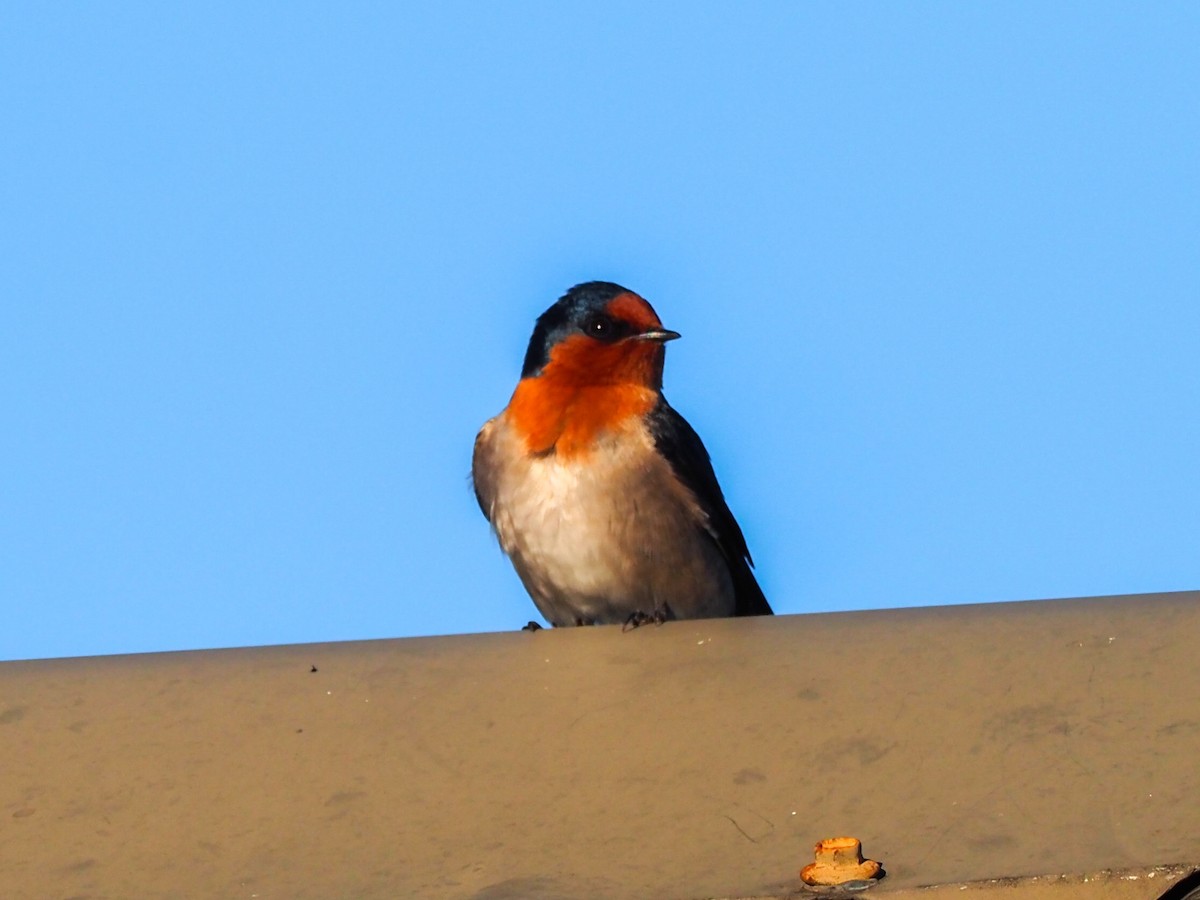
{"points": [[637, 619]]}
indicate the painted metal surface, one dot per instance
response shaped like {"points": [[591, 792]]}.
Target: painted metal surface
{"points": [[691, 760]]}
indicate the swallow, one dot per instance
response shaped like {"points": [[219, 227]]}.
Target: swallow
{"points": [[601, 494]]}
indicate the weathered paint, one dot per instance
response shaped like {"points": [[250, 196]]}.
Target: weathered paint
{"points": [[696, 759]]}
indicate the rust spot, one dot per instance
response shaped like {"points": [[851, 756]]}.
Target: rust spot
{"points": [[838, 861]]}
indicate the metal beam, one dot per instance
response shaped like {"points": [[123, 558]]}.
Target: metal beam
{"points": [[692, 760]]}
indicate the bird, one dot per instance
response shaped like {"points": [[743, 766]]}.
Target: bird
{"points": [[603, 496]]}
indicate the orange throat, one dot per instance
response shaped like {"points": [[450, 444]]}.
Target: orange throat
{"points": [[583, 393], [568, 420]]}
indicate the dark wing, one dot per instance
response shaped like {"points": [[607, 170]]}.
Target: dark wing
{"points": [[682, 448], [483, 468]]}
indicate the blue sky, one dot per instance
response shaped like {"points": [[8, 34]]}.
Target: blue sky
{"points": [[268, 267]]}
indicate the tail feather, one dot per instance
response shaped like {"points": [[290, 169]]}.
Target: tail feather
{"points": [[749, 599]]}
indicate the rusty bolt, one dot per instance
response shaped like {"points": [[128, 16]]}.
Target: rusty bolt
{"points": [[837, 861]]}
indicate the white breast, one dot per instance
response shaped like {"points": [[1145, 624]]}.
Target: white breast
{"points": [[597, 537]]}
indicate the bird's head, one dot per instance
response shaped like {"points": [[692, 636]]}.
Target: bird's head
{"points": [[599, 333]]}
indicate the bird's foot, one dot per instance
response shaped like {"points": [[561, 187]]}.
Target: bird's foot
{"points": [[637, 619], [531, 626]]}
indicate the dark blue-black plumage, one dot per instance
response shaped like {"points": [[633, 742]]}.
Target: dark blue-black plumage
{"points": [[569, 314], [679, 444]]}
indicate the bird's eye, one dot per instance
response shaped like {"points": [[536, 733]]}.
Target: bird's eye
{"points": [[602, 328]]}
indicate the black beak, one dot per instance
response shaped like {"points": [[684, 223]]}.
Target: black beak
{"points": [[662, 335]]}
